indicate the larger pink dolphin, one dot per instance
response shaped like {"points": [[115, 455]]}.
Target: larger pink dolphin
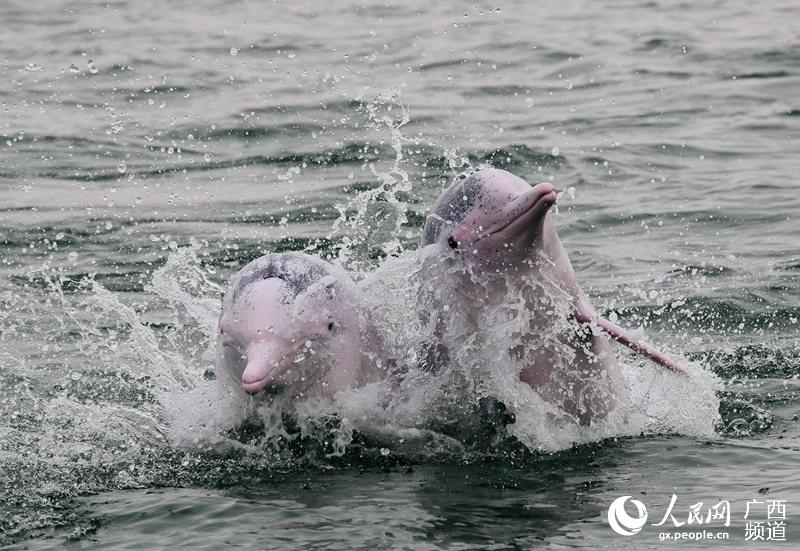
{"points": [[498, 230], [293, 323]]}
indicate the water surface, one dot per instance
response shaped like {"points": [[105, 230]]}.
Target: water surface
{"points": [[130, 131]]}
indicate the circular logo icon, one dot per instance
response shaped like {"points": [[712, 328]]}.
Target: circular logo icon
{"points": [[621, 522]]}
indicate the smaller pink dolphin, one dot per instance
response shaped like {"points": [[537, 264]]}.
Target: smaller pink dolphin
{"points": [[293, 323]]}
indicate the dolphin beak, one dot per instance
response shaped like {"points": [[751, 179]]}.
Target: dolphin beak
{"points": [[525, 214], [262, 366], [522, 217], [255, 377]]}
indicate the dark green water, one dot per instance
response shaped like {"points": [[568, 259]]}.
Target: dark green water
{"points": [[133, 131]]}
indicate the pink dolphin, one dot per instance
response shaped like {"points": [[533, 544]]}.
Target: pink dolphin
{"points": [[293, 323], [496, 227]]}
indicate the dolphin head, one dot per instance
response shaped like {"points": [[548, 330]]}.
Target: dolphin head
{"points": [[491, 218], [288, 321]]}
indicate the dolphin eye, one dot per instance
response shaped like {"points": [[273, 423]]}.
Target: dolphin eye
{"points": [[452, 242], [330, 326]]}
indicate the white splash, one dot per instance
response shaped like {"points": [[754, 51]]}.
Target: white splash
{"points": [[478, 367]]}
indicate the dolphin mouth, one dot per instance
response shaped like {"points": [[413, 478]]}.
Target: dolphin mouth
{"points": [[259, 379], [255, 387], [545, 197], [263, 366]]}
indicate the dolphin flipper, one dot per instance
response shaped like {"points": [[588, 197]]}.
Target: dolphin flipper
{"points": [[586, 314]]}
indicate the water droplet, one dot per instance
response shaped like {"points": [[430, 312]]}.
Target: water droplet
{"points": [[72, 257], [121, 168], [384, 452], [74, 69], [234, 51], [556, 151], [92, 68]]}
